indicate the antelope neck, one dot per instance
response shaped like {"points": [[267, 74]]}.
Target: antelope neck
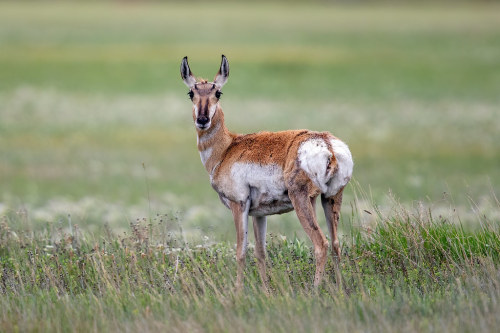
{"points": [[213, 142]]}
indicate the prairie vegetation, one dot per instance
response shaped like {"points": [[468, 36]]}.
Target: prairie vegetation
{"points": [[107, 218], [413, 272]]}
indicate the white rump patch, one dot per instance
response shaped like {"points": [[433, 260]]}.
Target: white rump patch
{"points": [[345, 166], [314, 157]]}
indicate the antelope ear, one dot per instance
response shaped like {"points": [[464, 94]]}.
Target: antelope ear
{"points": [[221, 77], [186, 74]]}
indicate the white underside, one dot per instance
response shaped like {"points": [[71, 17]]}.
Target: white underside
{"points": [[263, 184], [264, 181]]}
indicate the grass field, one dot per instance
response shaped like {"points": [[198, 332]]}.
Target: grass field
{"points": [[416, 274], [97, 140]]}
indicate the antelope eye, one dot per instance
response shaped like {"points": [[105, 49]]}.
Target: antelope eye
{"points": [[218, 93], [191, 94]]}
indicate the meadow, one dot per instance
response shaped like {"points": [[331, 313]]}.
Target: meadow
{"points": [[107, 217]]}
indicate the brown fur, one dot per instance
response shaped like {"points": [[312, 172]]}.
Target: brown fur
{"points": [[278, 148], [222, 149]]}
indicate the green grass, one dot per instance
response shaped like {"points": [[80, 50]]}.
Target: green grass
{"points": [[89, 92], [306, 51], [412, 272], [93, 112], [108, 220]]}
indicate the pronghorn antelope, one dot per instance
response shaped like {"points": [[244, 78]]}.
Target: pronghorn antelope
{"points": [[269, 173]]}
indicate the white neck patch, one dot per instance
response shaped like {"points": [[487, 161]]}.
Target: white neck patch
{"points": [[208, 136], [205, 155]]}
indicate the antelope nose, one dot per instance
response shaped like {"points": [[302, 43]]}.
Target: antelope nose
{"points": [[202, 120]]}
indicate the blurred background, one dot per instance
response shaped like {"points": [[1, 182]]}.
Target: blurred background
{"points": [[95, 122]]}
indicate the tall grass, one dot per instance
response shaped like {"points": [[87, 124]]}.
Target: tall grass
{"points": [[94, 122], [411, 272]]}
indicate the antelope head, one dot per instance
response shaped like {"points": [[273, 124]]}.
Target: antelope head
{"points": [[204, 95]]}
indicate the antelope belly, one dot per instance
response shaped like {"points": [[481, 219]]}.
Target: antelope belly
{"points": [[263, 184], [271, 208]]}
